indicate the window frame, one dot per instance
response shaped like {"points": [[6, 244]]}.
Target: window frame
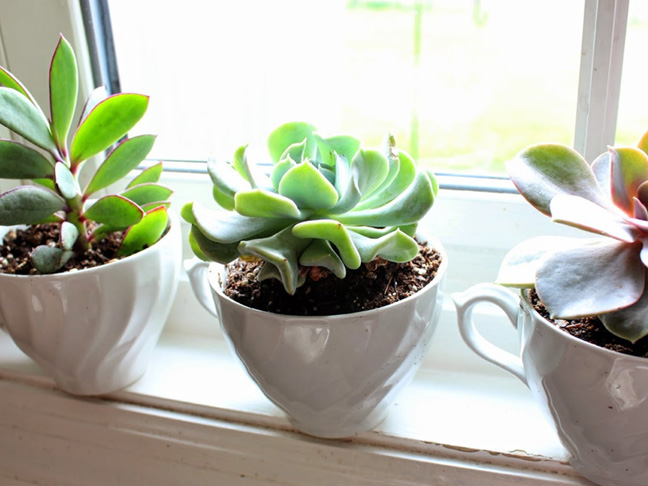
{"points": [[476, 221]]}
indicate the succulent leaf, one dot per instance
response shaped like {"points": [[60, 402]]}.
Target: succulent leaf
{"points": [[337, 146], [320, 253], [281, 250], [18, 161], [288, 134], [64, 88], [305, 185], [124, 158], [150, 174], [8, 80], [629, 322], [226, 179], [48, 259], [584, 214], [370, 168], [66, 183], [402, 172], [28, 205], [279, 170], [144, 233], [265, 204], [593, 278], [629, 170], [115, 210], [395, 247], [229, 227], [409, 207], [212, 250], [97, 96], [20, 115], [69, 235], [542, 171], [336, 233], [108, 121], [148, 193]]}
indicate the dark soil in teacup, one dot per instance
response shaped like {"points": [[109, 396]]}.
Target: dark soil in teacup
{"points": [[373, 285], [592, 330], [18, 245]]}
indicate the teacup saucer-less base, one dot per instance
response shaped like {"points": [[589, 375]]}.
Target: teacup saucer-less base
{"points": [[93, 330], [334, 376], [597, 398]]}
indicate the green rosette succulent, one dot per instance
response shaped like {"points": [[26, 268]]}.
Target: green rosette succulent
{"points": [[325, 202], [604, 276], [54, 166]]}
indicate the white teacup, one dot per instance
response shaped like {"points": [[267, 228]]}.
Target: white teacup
{"points": [[597, 398]]}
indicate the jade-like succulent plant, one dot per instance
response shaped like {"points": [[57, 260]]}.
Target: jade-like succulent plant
{"points": [[56, 196], [603, 276], [326, 202]]}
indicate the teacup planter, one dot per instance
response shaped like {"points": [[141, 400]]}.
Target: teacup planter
{"points": [[93, 330], [327, 205], [596, 398], [595, 395], [334, 376]]}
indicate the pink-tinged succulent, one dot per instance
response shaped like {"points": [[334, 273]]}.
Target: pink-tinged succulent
{"points": [[54, 166], [603, 276]]}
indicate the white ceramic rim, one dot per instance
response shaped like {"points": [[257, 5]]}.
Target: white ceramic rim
{"points": [[432, 242], [576, 341], [173, 219]]}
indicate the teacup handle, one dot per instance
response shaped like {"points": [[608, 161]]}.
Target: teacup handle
{"points": [[197, 273], [505, 300]]}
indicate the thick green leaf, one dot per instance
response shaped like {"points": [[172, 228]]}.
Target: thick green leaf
{"points": [[109, 121], [260, 203], [305, 185], [223, 200], [395, 247], [18, 161], [115, 210], [123, 159], [409, 207], [64, 88], [230, 227], [28, 204], [19, 114], [47, 183], [342, 145], [294, 152], [69, 235], [279, 170], [336, 233], [10, 81], [145, 233], [240, 163], [542, 171], [150, 174], [207, 249], [290, 133], [320, 253], [402, 171], [97, 96], [281, 250], [346, 184], [370, 168], [47, 259], [147, 194], [225, 178], [186, 213], [65, 181]]}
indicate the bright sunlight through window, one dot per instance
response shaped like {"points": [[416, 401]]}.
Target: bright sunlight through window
{"points": [[462, 84]]}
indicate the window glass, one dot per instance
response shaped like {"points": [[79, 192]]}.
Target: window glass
{"points": [[462, 84], [633, 112]]}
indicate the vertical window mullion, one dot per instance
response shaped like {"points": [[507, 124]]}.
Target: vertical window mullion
{"points": [[604, 30]]}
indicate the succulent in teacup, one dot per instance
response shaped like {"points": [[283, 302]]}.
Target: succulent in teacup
{"points": [[56, 195], [326, 202], [603, 276]]}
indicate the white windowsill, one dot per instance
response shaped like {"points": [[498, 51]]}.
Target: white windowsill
{"points": [[450, 425]]}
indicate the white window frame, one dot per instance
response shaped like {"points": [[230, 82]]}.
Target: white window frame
{"points": [[160, 432]]}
